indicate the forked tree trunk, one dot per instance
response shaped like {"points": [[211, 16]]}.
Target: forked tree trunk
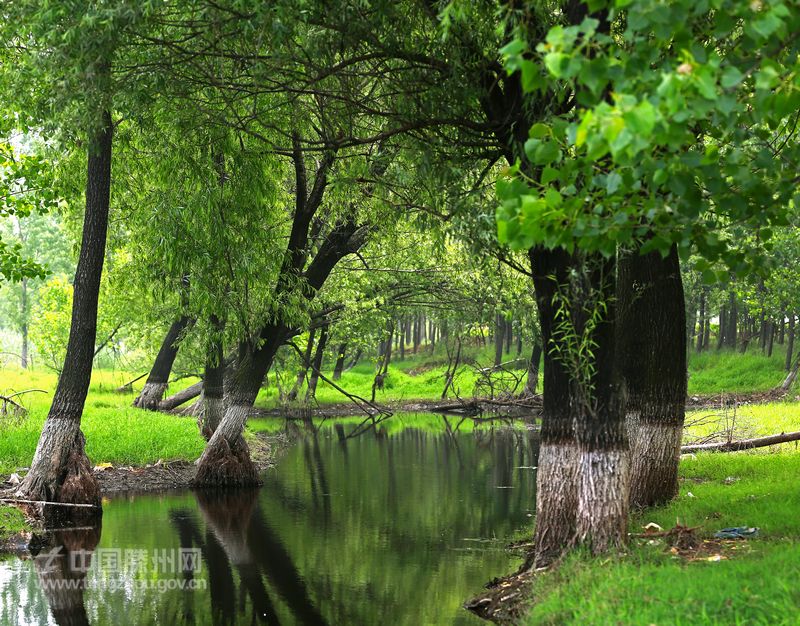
{"points": [[60, 470], [339, 367], [652, 334], [556, 476], [153, 391]]}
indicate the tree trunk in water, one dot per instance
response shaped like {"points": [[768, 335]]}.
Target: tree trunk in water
{"points": [[212, 408], [532, 381], [303, 371], [652, 336], [61, 471], [316, 366], [790, 343], [556, 476], [153, 391], [23, 359], [499, 332], [339, 367]]}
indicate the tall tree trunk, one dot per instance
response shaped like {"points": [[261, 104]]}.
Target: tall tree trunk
{"points": [[790, 343], [61, 471], [499, 336], [519, 339], [701, 321], [652, 336], [23, 359], [600, 430], [782, 328], [723, 321], [212, 408], [339, 367], [316, 366], [302, 371], [770, 337], [707, 328], [509, 335], [532, 381], [733, 314], [557, 474], [153, 391], [383, 364]]}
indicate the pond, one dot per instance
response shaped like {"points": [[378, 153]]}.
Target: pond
{"points": [[391, 523]]}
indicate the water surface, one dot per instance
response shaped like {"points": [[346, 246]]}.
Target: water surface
{"points": [[396, 523]]}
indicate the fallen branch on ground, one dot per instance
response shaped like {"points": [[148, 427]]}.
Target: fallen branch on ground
{"points": [[742, 444]]}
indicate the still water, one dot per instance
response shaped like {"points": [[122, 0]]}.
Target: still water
{"points": [[395, 523]]}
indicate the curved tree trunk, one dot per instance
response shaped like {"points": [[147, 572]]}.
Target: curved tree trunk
{"points": [[153, 391], [60, 470], [653, 362], [532, 382]]}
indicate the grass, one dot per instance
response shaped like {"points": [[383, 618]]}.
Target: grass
{"points": [[728, 371], [115, 432], [756, 584], [12, 521]]}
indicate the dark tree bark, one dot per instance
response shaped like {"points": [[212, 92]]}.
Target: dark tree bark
{"points": [[499, 336], [770, 337], [557, 474], [339, 367], [316, 367], [723, 322], [790, 343], [383, 364], [302, 372], [782, 328], [707, 327], [702, 321], [733, 314], [61, 471], [532, 382], [509, 335], [153, 391], [652, 337]]}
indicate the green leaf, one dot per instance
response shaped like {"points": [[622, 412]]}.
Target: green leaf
{"points": [[731, 77], [613, 182]]}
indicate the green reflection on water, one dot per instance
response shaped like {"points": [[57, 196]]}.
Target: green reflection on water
{"points": [[396, 523]]}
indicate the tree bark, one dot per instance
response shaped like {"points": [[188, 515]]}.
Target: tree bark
{"points": [[302, 372], [532, 382], [183, 396], [557, 473], [652, 336], [499, 335], [23, 359], [153, 391], [61, 471], [339, 367], [702, 321], [733, 313], [790, 343], [213, 399], [316, 368]]}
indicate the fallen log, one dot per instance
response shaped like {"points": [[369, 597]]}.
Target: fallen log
{"points": [[742, 444], [167, 404], [125, 388]]}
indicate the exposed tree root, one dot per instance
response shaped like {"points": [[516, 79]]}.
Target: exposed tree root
{"points": [[223, 466]]}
